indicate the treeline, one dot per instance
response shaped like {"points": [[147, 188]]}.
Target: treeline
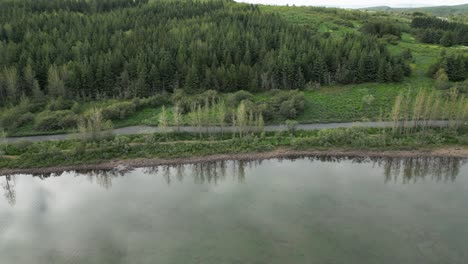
{"points": [[433, 30], [125, 48], [82, 6]]}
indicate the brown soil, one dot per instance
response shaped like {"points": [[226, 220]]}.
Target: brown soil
{"points": [[280, 153]]}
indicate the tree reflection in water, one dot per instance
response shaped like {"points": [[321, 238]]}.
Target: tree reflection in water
{"points": [[404, 170], [9, 189], [411, 170]]}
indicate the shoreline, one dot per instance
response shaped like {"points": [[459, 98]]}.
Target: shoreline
{"points": [[124, 165]]}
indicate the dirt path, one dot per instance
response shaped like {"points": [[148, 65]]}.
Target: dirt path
{"points": [[136, 130]]}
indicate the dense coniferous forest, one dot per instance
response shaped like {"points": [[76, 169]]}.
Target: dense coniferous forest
{"points": [[433, 30], [81, 49]]}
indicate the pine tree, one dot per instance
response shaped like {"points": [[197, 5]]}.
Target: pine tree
{"points": [[55, 84], [142, 87], [124, 84], [29, 80], [10, 76], [192, 81], [381, 74]]}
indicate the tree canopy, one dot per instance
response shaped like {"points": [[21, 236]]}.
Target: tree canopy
{"points": [[134, 48], [434, 30]]}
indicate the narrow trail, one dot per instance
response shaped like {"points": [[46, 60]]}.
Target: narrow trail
{"points": [[138, 130]]}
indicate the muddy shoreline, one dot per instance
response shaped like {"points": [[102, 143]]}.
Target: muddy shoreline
{"points": [[277, 154]]}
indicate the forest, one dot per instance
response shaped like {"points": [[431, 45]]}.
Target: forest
{"points": [[86, 50], [434, 30]]}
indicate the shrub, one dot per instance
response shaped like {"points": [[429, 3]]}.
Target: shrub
{"points": [[57, 120], [118, 111], [462, 87], [36, 105], [93, 126], [153, 101], [391, 39], [14, 118], [287, 109], [25, 119], [187, 102], [233, 100], [8, 117], [60, 104], [18, 148], [292, 125], [76, 108], [286, 104]]}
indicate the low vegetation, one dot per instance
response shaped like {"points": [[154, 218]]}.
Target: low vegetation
{"points": [[411, 116], [172, 145]]}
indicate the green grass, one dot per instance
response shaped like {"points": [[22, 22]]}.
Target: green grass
{"points": [[147, 116], [345, 103], [424, 54], [314, 18]]}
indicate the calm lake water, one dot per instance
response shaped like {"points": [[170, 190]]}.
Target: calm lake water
{"points": [[276, 211]]}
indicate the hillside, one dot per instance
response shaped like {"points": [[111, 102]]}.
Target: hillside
{"points": [[133, 60], [442, 11]]}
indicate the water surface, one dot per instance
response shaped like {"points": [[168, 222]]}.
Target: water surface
{"points": [[275, 211]]}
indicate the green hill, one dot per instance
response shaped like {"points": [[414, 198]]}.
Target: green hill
{"points": [[443, 11]]}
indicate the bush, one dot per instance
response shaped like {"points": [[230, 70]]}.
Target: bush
{"points": [[76, 108], [36, 105], [25, 119], [118, 111], [57, 120], [94, 127], [287, 109], [18, 148], [462, 87], [292, 125], [14, 118], [153, 101], [391, 39], [286, 104], [233, 100], [60, 104], [8, 118]]}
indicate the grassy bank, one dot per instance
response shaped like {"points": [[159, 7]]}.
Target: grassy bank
{"points": [[180, 145]]}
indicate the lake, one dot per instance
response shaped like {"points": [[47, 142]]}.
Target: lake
{"points": [[306, 210]]}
